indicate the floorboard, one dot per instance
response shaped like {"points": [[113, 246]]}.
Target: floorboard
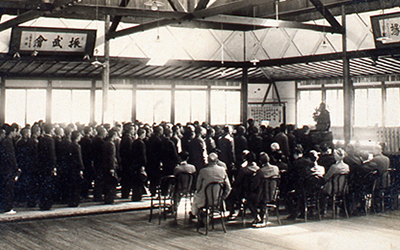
{"points": [[131, 230]]}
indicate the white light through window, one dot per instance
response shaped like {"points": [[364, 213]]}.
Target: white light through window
{"points": [[35, 105], [15, 106], [306, 105]]}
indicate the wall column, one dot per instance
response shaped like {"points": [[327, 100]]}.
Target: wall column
{"points": [[2, 100], [106, 66], [172, 118], [92, 101], [347, 85], [208, 103], [49, 101], [244, 95], [134, 93]]}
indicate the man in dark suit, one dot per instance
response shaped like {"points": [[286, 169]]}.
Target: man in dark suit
{"points": [[97, 148], [226, 146], [110, 167], [170, 158], [126, 159], [240, 145], [47, 167], [153, 149], [74, 171], [26, 150], [197, 150], [87, 158], [8, 170], [139, 162]]}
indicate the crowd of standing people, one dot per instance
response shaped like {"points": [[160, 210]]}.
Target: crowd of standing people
{"points": [[47, 163]]}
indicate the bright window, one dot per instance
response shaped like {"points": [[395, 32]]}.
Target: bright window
{"points": [[35, 105], [153, 106], [308, 101], [368, 107], [25, 106], [190, 106], [334, 103], [392, 114], [61, 110], [98, 106], [225, 107], [70, 106], [81, 106], [15, 106], [119, 105]]}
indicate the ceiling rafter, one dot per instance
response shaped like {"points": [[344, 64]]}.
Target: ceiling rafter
{"points": [[327, 15], [201, 5], [226, 8], [177, 5], [117, 19], [32, 14]]}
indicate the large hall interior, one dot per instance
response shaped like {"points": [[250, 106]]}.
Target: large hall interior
{"points": [[237, 84]]}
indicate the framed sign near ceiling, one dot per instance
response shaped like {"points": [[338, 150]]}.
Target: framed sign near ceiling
{"points": [[386, 29], [50, 41]]}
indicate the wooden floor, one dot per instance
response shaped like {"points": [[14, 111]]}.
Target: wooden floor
{"points": [[131, 230]]}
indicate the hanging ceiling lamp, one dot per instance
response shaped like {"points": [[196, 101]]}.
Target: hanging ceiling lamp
{"points": [[254, 60], [154, 4]]}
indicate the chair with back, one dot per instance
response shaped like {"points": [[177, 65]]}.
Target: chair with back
{"points": [[312, 195], [163, 200], [183, 189], [269, 197], [339, 192], [388, 190], [214, 206], [368, 189]]}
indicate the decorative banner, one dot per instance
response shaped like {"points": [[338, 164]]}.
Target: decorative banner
{"points": [[52, 41], [267, 114], [386, 30]]}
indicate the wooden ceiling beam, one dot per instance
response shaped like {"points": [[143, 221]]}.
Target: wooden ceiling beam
{"points": [[327, 14], [226, 8], [201, 5], [32, 14], [117, 19], [267, 23], [90, 10], [177, 5]]}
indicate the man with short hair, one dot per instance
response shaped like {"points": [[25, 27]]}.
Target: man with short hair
{"points": [[255, 199], [8, 170], [211, 173], [47, 167], [182, 168], [126, 159], [139, 161]]}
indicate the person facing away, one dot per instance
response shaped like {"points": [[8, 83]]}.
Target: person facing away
{"points": [[8, 170], [48, 167], [259, 196], [211, 173], [182, 168]]}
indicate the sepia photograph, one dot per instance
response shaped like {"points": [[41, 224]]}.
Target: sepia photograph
{"points": [[200, 124]]}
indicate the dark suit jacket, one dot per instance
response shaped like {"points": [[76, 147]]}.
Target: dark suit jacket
{"points": [[170, 157], [87, 154], [138, 152], [227, 147], [8, 163], [47, 155], [125, 152], [76, 163], [97, 149], [26, 151]]}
